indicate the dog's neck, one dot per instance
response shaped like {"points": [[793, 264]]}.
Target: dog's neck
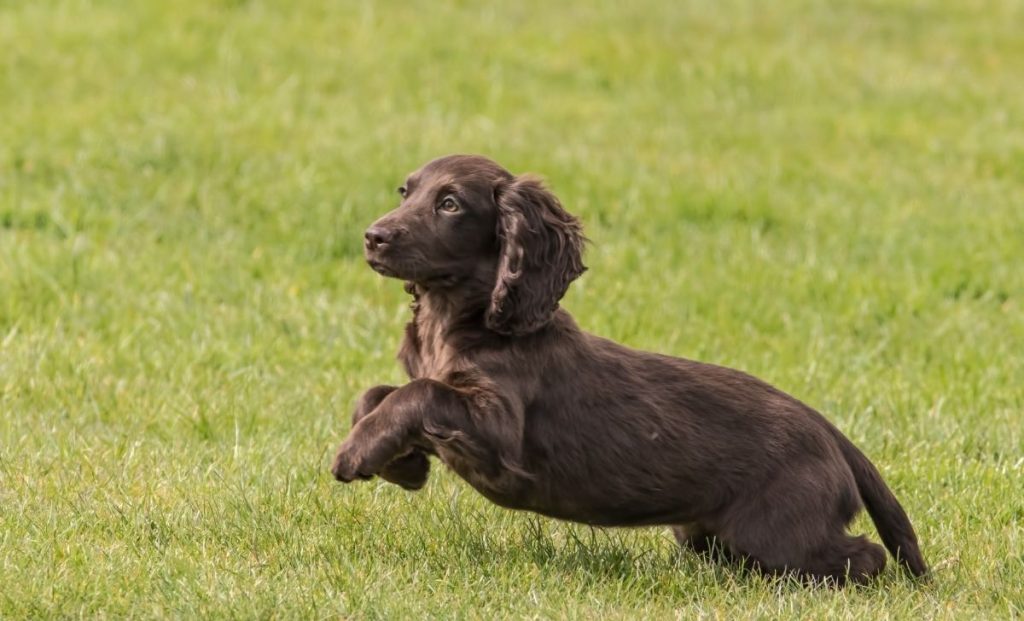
{"points": [[456, 303], [445, 320], [460, 305]]}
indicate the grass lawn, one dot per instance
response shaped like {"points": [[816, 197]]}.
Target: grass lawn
{"points": [[827, 195]]}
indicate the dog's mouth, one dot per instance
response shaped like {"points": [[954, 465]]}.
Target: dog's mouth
{"points": [[382, 268]]}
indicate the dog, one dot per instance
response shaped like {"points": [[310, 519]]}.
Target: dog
{"points": [[538, 415]]}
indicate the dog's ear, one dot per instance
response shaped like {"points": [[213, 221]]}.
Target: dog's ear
{"points": [[541, 253]]}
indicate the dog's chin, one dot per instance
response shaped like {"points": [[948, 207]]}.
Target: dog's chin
{"points": [[412, 275], [383, 269]]}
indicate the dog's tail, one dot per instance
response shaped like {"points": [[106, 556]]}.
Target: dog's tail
{"points": [[889, 517]]}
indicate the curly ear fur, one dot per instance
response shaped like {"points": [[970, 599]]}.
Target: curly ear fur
{"points": [[541, 253]]}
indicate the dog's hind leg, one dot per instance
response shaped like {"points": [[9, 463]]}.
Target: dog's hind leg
{"points": [[798, 524], [696, 538]]}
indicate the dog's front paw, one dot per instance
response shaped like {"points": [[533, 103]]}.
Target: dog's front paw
{"points": [[409, 471], [349, 465]]}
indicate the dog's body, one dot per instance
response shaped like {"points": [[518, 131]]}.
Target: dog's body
{"points": [[538, 415]]}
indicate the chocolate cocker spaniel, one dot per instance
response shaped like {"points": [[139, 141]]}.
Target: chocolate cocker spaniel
{"points": [[536, 414]]}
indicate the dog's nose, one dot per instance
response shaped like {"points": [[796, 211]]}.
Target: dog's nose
{"points": [[377, 236]]}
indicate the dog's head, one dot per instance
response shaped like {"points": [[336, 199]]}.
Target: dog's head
{"points": [[463, 219]]}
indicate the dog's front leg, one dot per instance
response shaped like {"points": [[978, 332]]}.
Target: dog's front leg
{"points": [[383, 439], [409, 471]]}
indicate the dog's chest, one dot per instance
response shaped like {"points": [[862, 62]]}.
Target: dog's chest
{"points": [[425, 352]]}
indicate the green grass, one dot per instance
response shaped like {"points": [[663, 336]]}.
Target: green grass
{"points": [[830, 196]]}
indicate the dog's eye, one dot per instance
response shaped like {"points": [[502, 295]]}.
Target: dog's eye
{"points": [[448, 205], [402, 191]]}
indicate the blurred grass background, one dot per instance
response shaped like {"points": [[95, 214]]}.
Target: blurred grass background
{"points": [[827, 195]]}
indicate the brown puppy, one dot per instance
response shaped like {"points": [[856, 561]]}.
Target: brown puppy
{"points": [[536, 414]]}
